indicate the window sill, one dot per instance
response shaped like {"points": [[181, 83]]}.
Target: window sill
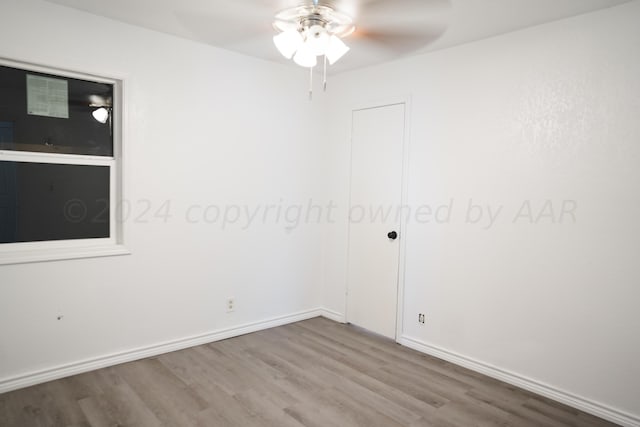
{"points": [[58, 254]]}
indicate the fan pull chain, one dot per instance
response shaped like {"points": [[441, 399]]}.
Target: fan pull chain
{"points": [[310, 83], [324, 75]]}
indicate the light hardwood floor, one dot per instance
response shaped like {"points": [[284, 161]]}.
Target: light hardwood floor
{"points": [[311, 373]]}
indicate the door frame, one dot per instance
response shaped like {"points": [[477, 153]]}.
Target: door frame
{"points": [[404, 192]]}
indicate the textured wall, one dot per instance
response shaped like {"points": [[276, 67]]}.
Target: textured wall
{"points": [[524, 127]]}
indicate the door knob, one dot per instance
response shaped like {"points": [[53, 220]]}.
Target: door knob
{"points": [[392, 235]]}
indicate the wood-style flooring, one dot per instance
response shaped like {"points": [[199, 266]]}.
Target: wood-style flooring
{"points": [[311, 373]]}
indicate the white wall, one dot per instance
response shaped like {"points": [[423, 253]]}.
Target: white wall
{"points": [[549, 113], [205, 126]]}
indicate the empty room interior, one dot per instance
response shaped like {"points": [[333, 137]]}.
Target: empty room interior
{"points": [[320, 213]]}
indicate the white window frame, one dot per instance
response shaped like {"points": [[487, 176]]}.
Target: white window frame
{"points": [[24, 252]]}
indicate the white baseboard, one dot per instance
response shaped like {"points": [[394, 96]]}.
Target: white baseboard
{"points": [[569, 399], [54, 373], [333, 315]]}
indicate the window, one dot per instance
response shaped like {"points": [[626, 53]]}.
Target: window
{"points": [[60, 164]]}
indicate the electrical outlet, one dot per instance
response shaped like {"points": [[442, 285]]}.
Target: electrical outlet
{"points": [[231, 305], [421, 318]]}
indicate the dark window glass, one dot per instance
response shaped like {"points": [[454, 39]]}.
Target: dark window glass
{"points": [[45, 201], [53, 114]]}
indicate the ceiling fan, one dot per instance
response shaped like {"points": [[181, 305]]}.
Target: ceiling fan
{"points": [[316, 29]]}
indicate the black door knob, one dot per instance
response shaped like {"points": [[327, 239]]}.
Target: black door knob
{"points": [[392, 235]]}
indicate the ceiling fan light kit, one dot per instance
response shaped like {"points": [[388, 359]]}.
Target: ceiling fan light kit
{"points": [[306, 32], [288, 42], [305, 56]]}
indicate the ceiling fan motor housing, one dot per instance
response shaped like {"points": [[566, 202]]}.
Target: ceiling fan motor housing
{"points": [[305, 17]]}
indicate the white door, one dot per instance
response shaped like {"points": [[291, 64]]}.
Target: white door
{"points": [[376, 195]]}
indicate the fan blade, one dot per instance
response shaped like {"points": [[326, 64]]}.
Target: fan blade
{"points": [[404, 14], [193, 19], [379, 12], [225, 32], [399, 26], [398, 41], [238, 23], [387, 30]]}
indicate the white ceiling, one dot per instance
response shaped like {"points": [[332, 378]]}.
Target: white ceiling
{"points": [[387, 29]]}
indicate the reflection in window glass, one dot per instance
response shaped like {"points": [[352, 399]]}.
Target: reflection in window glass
{"points": [[53, 114]]}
